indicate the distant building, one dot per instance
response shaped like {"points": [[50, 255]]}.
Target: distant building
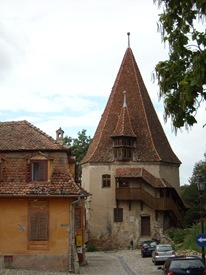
{"points": [[130, 169], [42, 221]]}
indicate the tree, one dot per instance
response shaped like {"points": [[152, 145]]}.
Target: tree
{"points": [[79, 147], [182, 78], [190, 193]]}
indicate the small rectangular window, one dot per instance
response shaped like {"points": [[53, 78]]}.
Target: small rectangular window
{"points": [[39, 170], [106, 181], [118, 214], [77, 218]]}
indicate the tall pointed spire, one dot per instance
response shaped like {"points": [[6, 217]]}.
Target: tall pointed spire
{"points": [[128, 39], [151, 141]]}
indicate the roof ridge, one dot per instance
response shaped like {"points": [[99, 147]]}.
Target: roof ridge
{"points": [[26, 137], [143, 106], [40, 131], [109, 104]]}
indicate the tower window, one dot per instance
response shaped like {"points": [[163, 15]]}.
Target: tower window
{"points": [[123, 148], [106, 181]]}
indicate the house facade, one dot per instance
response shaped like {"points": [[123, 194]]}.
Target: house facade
{"points": [[130, 168], [42, 221]]}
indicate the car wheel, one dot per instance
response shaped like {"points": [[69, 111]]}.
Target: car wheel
{"points": [[155, 263], [143, 255]]}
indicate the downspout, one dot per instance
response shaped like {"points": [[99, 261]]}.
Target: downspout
{"points": [[71, 234]]}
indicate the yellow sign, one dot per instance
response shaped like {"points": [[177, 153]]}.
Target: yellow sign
{"points": [[78, 240]]}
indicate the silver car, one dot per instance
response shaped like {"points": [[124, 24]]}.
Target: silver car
{"points": [[162, 252]]}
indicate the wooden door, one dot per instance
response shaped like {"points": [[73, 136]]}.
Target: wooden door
{"points": [[145, 226]]}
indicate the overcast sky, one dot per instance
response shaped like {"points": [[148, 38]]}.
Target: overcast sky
{"points": [[59, 60]]}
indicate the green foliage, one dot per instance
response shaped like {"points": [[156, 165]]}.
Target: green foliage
{"points": [[78, 145], [186, 238], [191, 196], [91, 247], [190, 238], [178, 235], [182, 77]]}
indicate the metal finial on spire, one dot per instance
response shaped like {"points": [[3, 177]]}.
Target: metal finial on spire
{"points": [[128, 39], [125, 103]]}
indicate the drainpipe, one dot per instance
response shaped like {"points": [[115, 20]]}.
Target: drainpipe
{"points": [[71, 232]]}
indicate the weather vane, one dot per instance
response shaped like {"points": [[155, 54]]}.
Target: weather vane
{"points": [[128, 39]]}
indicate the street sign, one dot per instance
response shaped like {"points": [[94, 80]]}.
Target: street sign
{"points": [[201, 240]]}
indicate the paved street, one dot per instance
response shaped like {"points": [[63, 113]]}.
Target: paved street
{"points": [[124, 262]]}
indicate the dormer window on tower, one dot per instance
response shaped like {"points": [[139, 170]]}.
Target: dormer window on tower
{"points": [[123, 148], [124, 138]]}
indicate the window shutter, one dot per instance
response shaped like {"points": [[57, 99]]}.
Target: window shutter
{"points": [[38, 226], [0, 170], [77, 218], [43, 226], [42, 170], [33, 226], [118, 214]]}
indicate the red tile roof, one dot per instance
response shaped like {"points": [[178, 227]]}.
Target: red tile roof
{"points": [[62, 184], [22, 135], [151, 142], [141, 173], [124, 126]]}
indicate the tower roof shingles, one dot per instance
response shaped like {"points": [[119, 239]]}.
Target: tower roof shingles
{"points": [[152, 143]]}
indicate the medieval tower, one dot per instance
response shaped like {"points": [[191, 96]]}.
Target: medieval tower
{"points": [[130, 168]]}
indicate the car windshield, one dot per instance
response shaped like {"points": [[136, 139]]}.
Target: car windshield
{"points": [[164, 248], [186, 263], [149, 244]]}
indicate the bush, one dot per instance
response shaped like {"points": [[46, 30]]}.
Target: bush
{"points": [[91, 247], [185, 239], [178, 235]]}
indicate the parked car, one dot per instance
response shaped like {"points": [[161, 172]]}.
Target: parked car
{"points": [[162, 252], [181, 265], [147, 247]]}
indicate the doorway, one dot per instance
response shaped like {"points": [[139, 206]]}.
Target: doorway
{"points": [[145, 226]]}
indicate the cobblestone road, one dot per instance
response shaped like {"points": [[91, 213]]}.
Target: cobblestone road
{"points": [[124, 262]]}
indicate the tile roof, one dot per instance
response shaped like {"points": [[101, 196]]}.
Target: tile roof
{"points": [[151, 141], [62, 184], [141, 173], [124, 126], [22, 135]]}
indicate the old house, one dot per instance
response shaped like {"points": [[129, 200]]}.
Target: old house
{"points": [[42, 221], [130, 168]]}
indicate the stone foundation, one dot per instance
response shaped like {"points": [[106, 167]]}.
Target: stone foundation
{"points": [[35, 262]]}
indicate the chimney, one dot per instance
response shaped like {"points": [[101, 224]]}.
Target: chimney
{"points": [[60, 136]]}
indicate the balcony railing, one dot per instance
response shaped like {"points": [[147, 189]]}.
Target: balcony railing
{"points": [[161, 204]]}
